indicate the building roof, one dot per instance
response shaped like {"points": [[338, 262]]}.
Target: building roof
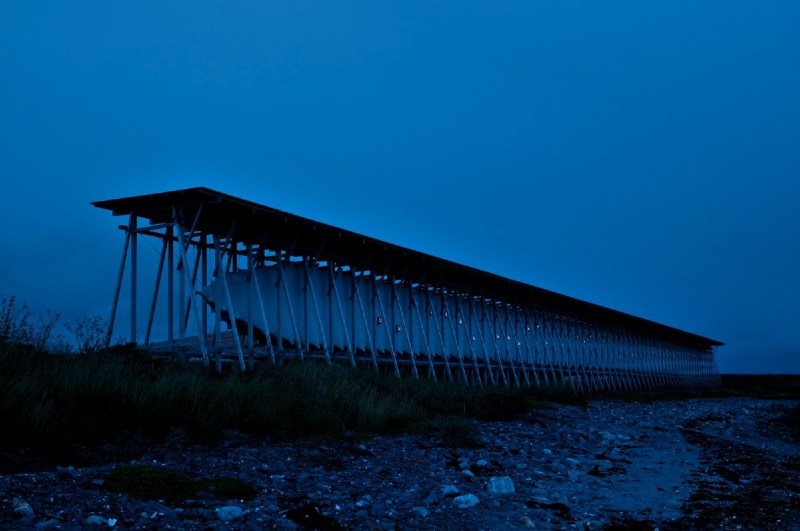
{"points": [[259, 224]]}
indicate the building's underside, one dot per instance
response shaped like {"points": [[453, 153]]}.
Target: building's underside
{"points": [[300, 289]]}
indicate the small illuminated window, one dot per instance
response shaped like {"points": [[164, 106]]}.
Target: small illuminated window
{"points": [[396, 328], [380, 320]]}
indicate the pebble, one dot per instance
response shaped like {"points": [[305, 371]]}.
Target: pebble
{"points": [[450, 490], [230, 513], [466, 501], [421, 511], [501, 485]]}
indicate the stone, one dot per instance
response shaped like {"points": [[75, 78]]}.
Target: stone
{"points": [[96, 520], [48, 524], [469, 474], [501, 485], [230, 513], [21, 508], [466, 501], [421, 511], [572, 462], [450, 490], [608, 436]]}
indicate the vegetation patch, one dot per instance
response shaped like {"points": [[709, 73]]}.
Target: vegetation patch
{"points": [[154, 483], [455, 432]]}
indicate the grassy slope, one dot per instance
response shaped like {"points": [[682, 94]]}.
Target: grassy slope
{"points": [[49, 400]]}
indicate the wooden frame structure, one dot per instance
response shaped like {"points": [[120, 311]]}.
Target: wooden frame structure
{"points": [[291, 288]]}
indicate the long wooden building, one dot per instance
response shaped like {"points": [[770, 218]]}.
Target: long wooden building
{"points": [[246, 282]]}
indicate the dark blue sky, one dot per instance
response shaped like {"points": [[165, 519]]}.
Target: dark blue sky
{"points": [[640, 155]]}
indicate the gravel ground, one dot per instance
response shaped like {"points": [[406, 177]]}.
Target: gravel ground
{"points": [[693, 464]]}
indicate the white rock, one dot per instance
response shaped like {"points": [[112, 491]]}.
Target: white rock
{"points": [[96, 520], [468, 474], [571, 461], [230, 513], [501, 485], [547, 451], [466, 501]]}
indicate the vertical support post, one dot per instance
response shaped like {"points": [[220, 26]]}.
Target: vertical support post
{"points": [[492, 324], [193, 283], [344, 321], [204, 280], [479, 331], [310, 285], [223, 276], [182, 265], [171, 284], [357, 295], [250, 290], [118, 288], [282, 280], [459, 315], [260, 298], [431, 368], [405, 327], [155, 292], [439, 333], [201, 338], [134, 274], [389, 333]]}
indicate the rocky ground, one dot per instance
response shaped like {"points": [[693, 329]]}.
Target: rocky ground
{"points": [[701, 463]]}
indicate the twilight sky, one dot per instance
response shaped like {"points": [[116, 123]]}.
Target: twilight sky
{"points": [[640, 155]]}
